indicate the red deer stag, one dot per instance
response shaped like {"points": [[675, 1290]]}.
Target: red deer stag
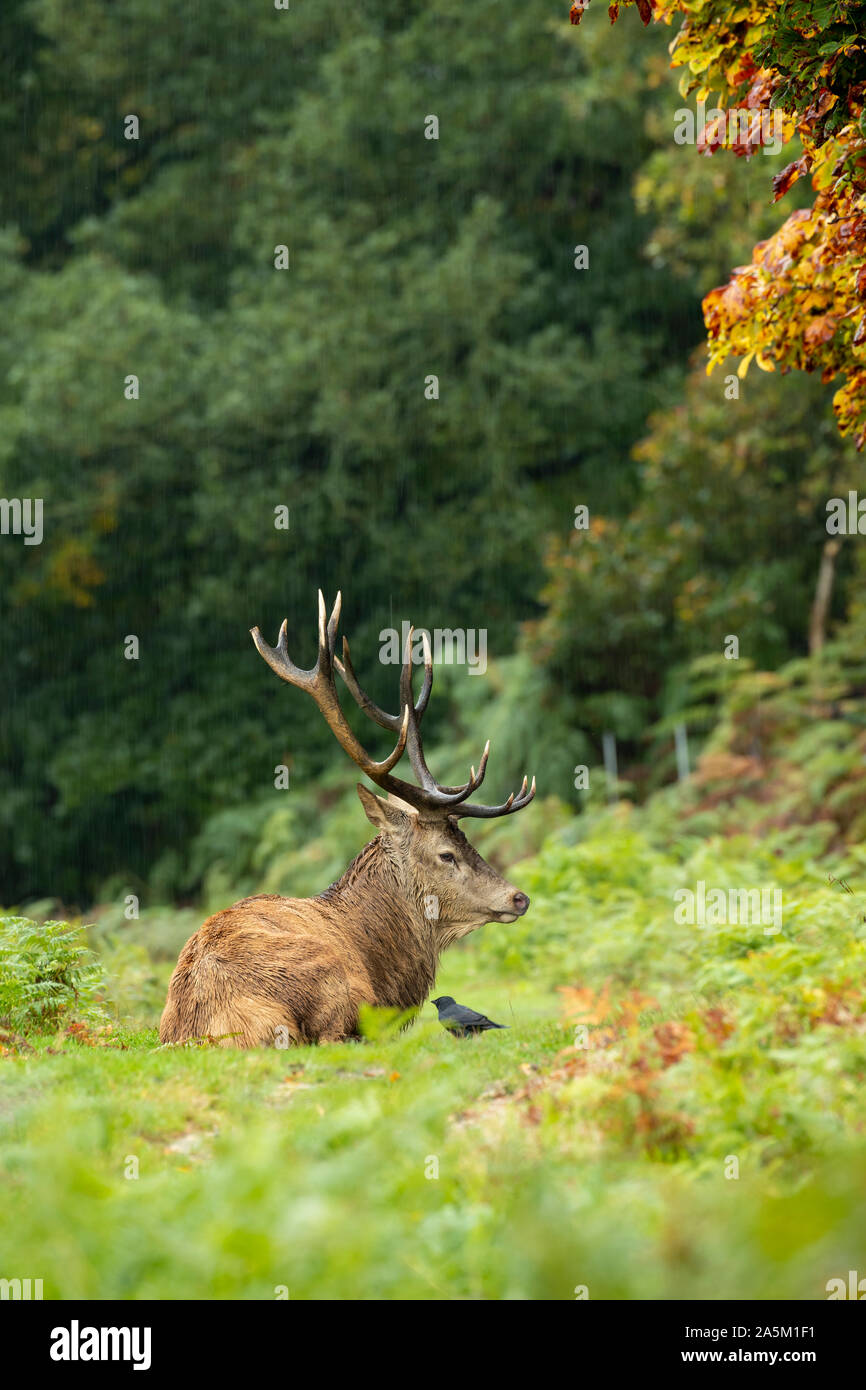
{"points": [[270, 968]]}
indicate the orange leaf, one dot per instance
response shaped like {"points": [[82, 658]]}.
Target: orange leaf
{"points": [[583, 1005], [674, 1041], [820, 330]]}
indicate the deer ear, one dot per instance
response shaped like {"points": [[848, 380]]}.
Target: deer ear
{"points": [[385, 815]]}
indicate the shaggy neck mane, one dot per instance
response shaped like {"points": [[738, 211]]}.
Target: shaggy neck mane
{"points": [[372, 865], [399, 945]]}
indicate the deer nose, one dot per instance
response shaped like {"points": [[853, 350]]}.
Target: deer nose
{"points": [[519, 902]]}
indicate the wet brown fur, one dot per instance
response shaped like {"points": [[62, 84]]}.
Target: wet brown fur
{"points": [[307, 964]]}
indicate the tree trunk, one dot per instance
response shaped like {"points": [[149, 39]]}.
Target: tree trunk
{"points": [[823, 595]]}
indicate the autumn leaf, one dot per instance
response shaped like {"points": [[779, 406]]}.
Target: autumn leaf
{"points": [[718, 1024], [820, 330], [584, 1005], [804, 69], [674, 1041], [789, 176]]}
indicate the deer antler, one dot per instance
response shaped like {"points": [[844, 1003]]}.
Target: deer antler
{"points": [[319, 682]]}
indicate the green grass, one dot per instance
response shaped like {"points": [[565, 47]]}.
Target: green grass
{"points": [[559, 1165]]}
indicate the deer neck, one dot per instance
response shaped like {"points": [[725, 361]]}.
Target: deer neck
{"points": [[388, 927]]}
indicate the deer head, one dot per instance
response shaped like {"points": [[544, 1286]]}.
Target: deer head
{"points": [[444, 879]]}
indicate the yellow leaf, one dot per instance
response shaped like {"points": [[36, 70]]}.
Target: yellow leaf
{"points": [[744, 365]]}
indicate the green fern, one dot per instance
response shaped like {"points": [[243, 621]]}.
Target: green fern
{"points": [[46, 973]]}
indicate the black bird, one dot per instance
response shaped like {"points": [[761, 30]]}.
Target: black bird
{"points": [[460, 1020]]}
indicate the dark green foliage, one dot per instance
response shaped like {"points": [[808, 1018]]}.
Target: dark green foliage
{"points": [[725, 537], [302, 388]]}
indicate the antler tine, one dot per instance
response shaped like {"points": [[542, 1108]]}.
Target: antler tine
{"points": [[362, 699], [459, 794], [333, 621], [430, 794], [406, 693], [347, 671], [438, 794], [318, 681], [514, 803], [482, 768], [407, 698], [279, 660]]}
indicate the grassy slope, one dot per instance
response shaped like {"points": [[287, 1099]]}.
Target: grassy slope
{"points": [[558, 1164]]}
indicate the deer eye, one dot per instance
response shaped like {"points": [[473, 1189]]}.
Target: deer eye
{"points": [[448, 859]]}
